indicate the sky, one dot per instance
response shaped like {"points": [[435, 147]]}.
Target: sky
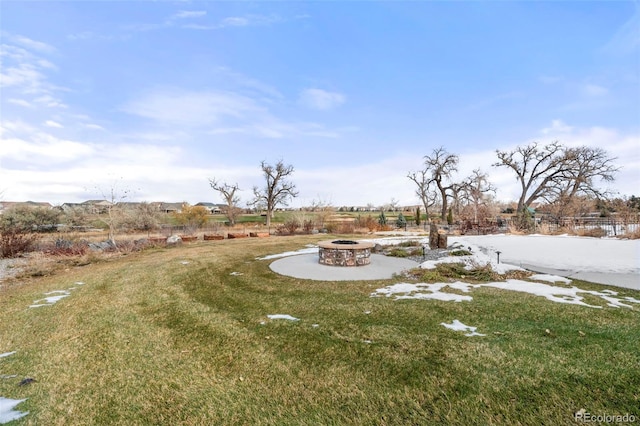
{"points": [[150, 100]]}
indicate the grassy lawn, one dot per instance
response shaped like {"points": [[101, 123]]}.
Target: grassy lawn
{"points": [[171, 336]]}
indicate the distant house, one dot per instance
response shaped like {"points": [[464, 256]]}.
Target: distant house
{"points": [[96, 206], [213, 208], [5, 205], [170, 207]]}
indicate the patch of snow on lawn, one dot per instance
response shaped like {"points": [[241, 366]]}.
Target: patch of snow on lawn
{"points": [[552, 293], [458, 326], [552, 279], [556, 294], [7, 413], [308, 250], [51, 300], [425, 291], [284, 317]]}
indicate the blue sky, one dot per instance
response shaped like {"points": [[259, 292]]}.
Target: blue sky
{"points": [[157, 97]]}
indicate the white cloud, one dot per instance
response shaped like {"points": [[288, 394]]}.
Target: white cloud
{"points": [[234, 21], [32, 44], [627, 38], [93, 126], [189, 14], [51, 123], [250, 20], [557, 126], [20, 102], [191, 108], [321, 99], [593, 90]]}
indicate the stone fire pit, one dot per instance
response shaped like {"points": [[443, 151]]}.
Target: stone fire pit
{"points": [[344, 253]]}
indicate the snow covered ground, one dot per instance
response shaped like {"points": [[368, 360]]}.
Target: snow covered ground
{"points": [[609, 261], [601, 260]]}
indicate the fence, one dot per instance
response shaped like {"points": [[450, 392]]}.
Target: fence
{"points": [[606, 226]]}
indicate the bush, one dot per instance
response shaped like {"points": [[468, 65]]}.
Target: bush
{"points": [[460, 253], [308, 225], [14, 242], [398, 252]]}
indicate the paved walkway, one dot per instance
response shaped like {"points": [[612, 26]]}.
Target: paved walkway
{"points": [[306, 266]]}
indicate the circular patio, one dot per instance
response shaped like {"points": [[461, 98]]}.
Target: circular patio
{"points": [[306, 266]]}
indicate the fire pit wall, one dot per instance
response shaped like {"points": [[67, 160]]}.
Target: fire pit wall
{"points": [[344, 253]]}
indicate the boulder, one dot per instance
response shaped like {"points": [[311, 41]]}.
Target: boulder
{"points": [[174, 240], [433, 236], [102, 246]]}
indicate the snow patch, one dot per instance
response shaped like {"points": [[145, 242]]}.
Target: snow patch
{"points": [[425, 291], [7, 413], [236, 273], [551, 278], [50, 300], [284, 317], [458, 326], [308, 250], [569, 295]]}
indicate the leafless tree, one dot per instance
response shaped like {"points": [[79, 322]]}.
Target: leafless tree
{"points": [[228, 192], [114, 197], [475, 190], [553, 172], [277, 190], [439, 167], [586, 164], [422, 179]]}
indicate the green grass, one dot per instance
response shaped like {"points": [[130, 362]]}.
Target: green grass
{"points": [[148, 340]]}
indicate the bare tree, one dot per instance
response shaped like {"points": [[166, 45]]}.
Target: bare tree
{"points": [[423, 181], [277, 190], [553, 172], [475, 190], [114, 219], [143, 217], [586, 165], [441, 165], [228, 192]]}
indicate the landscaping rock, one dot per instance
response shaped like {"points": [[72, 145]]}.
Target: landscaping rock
{"points": [[231, 236], [213, 237], [102, 246], [174, 240]]}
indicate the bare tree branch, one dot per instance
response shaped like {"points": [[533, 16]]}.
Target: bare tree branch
{"points": [[277, 189], [228, 192]]}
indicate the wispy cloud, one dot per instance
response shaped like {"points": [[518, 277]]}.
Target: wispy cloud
{"points": [[31, 44], [321, 99], [221, 112], [594, 90], [238, 22], [188, 14], [557, 127], [25, 72], [191, 108], [20, 102], [54, 124], [627, 39]]}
